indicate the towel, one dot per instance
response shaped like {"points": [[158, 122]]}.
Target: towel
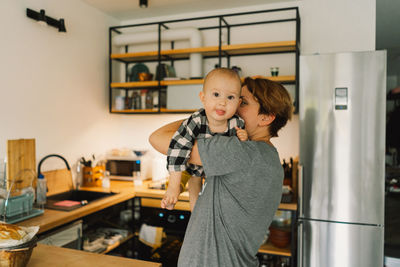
{"points": [[151, 235]]}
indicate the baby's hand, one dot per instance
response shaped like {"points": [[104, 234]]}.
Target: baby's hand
{"points": [[165, 205], [241, 134], [170, 197]]}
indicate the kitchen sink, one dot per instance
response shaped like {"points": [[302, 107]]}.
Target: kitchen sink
{"points": [[74, 199]]}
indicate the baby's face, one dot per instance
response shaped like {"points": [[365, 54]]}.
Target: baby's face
{"points": [[220, 98]]}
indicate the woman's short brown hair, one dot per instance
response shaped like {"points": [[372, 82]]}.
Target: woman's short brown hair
{"points": [[274, 99]]}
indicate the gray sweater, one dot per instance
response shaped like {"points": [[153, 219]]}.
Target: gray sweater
{"points": [[239, 198]]}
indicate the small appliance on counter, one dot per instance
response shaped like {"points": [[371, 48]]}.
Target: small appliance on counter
{"points": [[123, 168], [127, 164]]}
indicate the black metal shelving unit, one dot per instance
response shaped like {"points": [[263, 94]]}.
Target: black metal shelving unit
{"points": [[220, 53]]}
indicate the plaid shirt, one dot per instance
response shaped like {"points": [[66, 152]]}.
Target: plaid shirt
{"points": [[196, 126]]}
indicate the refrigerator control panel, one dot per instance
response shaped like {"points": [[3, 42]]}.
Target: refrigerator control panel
{"points": [[341, 97]]}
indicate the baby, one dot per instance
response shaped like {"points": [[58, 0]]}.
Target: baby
{"points": [[221, 98]]}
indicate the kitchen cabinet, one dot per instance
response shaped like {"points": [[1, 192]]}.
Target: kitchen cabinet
{"points": [[106, 212], [224, 38]]}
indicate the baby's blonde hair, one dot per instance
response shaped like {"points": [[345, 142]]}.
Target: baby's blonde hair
{"points": [[228, 73]]}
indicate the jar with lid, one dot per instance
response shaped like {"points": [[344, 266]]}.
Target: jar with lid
{"points": [[119, 102]]}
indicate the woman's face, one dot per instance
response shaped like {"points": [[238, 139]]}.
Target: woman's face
{"points": [[248, 110]]}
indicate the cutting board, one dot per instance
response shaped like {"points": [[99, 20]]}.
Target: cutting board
{"points": [[58, 181], [21, 163]]}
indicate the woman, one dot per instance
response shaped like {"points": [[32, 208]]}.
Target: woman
{"points": [[243, 183]]}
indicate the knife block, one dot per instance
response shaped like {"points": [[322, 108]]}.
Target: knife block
{"points": [[93, 176]]}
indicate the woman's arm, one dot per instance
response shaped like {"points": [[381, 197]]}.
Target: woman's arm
{"points": [[161, 138]]}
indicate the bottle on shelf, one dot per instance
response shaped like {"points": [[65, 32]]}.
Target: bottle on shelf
{"points": [[132, 100], [137, 100], [149, 100], [287, 169], [143, 98], [128, 101], [163, 98], [155, 100]]}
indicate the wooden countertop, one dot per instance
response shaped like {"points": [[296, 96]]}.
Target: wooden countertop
{"points": [[125, 191], [44, 255]]}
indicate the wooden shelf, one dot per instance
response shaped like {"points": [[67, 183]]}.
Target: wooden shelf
{"points": [[162, 110], [155, 83], [118, 243], [288, 206], [165, 110], [182, 82], [280, 79], [135, 111], [135, 84], [210, 51], [283, 46], [268, 248]]}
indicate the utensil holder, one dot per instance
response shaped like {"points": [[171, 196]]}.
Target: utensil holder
{"points": [[93, 176]]}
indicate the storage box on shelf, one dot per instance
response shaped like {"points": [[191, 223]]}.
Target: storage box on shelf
{"points": [[221, 43]]}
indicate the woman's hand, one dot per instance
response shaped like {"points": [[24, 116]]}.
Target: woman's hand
{"points": [[242, 134]]}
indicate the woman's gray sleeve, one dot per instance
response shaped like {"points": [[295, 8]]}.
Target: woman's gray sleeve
{"points": [[221, 155]]}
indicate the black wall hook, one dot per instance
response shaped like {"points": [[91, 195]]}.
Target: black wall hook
{"points": [[41, 17]]}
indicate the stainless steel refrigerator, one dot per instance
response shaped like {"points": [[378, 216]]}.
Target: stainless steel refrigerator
{"points": [[342, 150]]}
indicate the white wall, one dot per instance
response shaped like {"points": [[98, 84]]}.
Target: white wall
{"points": [[54, 86], [337, 26]]}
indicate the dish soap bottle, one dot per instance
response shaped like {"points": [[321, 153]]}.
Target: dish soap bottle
{"points": [[41, 190]]}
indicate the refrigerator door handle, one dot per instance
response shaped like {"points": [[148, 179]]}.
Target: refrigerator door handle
{"points": [[300, 244], [300, 188]]}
